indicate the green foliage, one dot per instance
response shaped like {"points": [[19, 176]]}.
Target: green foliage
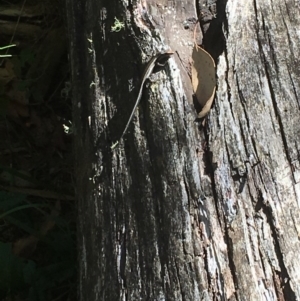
{"points": [[118, 26], [4, 48]]}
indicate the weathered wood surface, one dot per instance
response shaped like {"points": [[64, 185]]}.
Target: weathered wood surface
{"points": [[254, 139], [168, 215]]}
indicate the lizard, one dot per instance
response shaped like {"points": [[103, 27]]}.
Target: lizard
{"points": [[148, 71]]}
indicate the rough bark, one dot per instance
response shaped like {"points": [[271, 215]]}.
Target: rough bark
{"points": [[253, 136], [178, 212]]}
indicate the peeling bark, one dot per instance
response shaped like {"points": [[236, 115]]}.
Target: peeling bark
{"points": [[179, 212]]}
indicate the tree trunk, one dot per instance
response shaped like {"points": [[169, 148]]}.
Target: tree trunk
{"points": [[178, 211]]}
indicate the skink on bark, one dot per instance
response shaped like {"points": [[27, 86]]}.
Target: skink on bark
{"points": [[148, 71]]}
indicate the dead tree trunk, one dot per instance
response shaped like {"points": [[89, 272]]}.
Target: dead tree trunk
{"points": [[177, 211]]}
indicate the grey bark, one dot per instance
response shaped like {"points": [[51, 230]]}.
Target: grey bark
{"points": [[181, 212]]}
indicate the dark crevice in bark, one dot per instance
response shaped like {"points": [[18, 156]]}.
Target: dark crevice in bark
{"points": [[234, 169], [255, 149], [209, 170], [277, 114], [289, 37], [277, 286], [243, 102], [228, 90], [244, 139], [123, 248], [221, 279], [294, 88], [268, 41], [230, 260], [256, 13], [272, 93], [282, 274], [212, 16], [178, 280], [206, 268]]}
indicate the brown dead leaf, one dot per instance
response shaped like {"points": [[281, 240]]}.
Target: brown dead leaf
{"points": [[203, 78], [24, 247]]}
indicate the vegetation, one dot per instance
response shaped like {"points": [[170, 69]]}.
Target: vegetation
{"points": [[37, 207]]}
